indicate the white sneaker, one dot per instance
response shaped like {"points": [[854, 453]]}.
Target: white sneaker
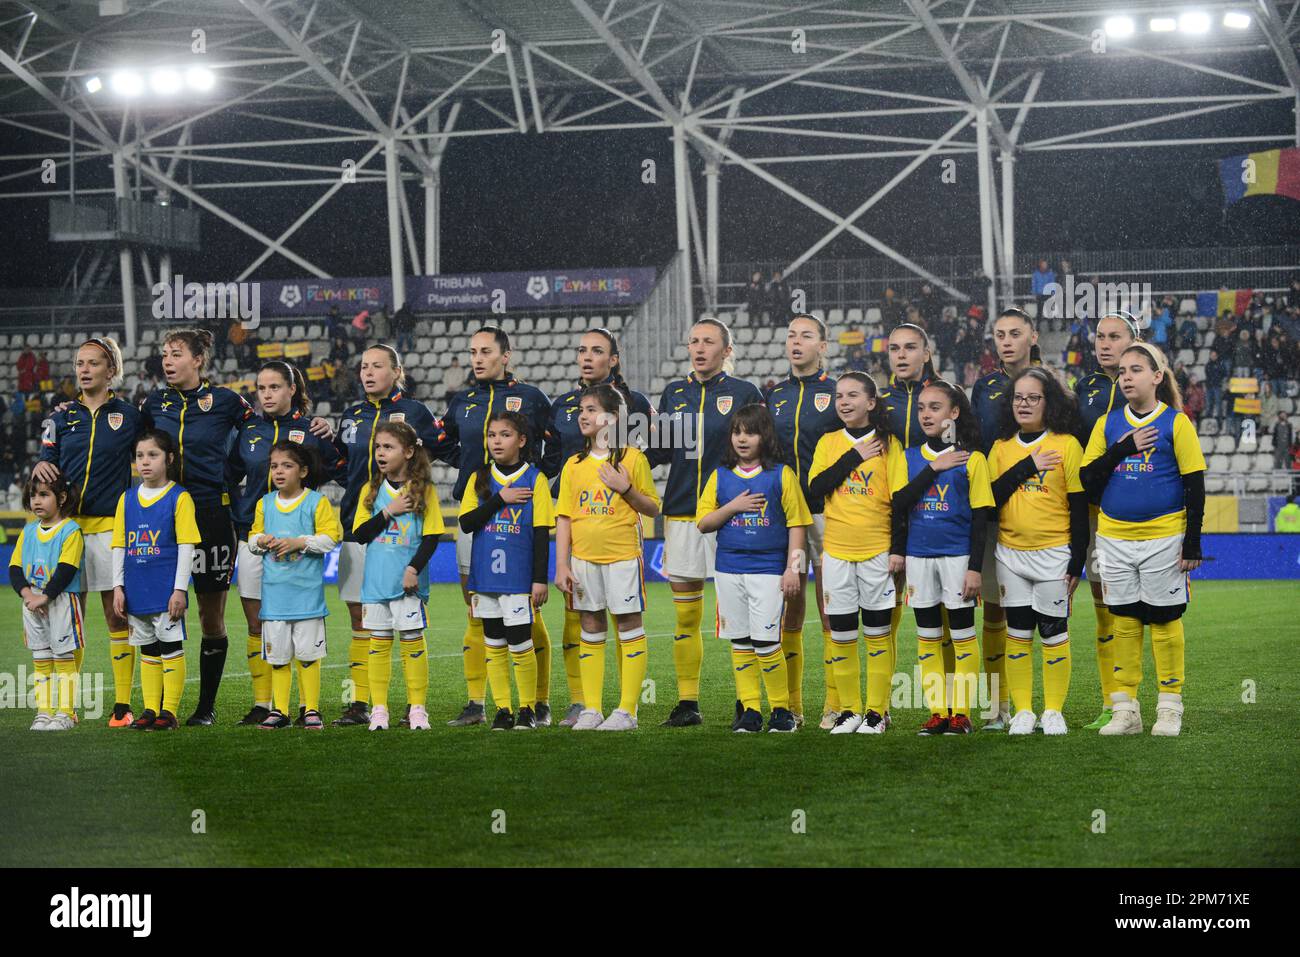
{"points": [[1124, 719], [828, 720], [41, 722], [618, 720], [998, 722], [1169, 715], [572, 715], [846, 723], [419, 718], [869, 727], [61, 722], [589, 720], [379, 718], [1022, 723], [1054, 723]]}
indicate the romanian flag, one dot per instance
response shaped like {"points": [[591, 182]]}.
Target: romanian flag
{"points": [[1214, 304], [1268, 173]]}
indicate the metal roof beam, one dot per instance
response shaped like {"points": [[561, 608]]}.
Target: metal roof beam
{"points": [[1270, 21], [635, 68]]}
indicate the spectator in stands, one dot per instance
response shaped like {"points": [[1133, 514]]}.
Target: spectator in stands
{"points": [[1292, 296], [891, 311], [778, 300], [1245, 354], [988, 359], [153, 366], [1287, 520], [1283, 438], [965, 356], [453, 379], [27, 372], [238, 337], [335, 324], [756, 299], [1194, 400], [1295, 466], [1187, 333], [929, 306], [42, 371], [945, 334], [343, 385], [359, 330], [404, 328], [1276, 364], [1216, 371], [855, 358], [340, 350], [1162, 324], [913, 315], [14, 493], [1181, 376], [381, 324], [140, 394], [1043, 277], [1075, 352], [67, 389]]}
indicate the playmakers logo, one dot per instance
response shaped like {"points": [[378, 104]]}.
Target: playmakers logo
{"points": [[76, 910]]}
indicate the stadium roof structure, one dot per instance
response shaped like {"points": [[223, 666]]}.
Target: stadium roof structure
{"points": [[152, 84]]}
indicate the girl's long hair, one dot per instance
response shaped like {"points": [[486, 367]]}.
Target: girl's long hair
{"points": [[968, 429], [611, 402], [756, 420], [877, 418], [301, 403], [419, 474], [305, 457], [67, 496], [518, 422], [1060, 409], [1167, 391]]}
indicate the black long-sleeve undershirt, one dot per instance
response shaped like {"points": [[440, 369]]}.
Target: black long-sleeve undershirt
{"points": [[474, 520], [1096, 474], [62, 578], [1194, 502], [1079, 532], [373, 527], [979, 524], [905, 500]]}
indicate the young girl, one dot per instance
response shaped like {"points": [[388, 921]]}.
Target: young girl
{"points": [[154, 536], [399, 521], [850, 474], [507, 510], [45, 571], [293, 529], [1042, 539], [939, 525], [762, 529], [604, 491], [1146, 460]]}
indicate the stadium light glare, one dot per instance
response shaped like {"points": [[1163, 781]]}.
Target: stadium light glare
{"points": [[127, 83], [1236, 20], [199, 78], [165, 81], [1163, 24], [1194, 21], [1119, 27], [94, 84]]}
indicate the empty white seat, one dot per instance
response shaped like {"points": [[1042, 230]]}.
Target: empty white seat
{"points": [[855, 315], [298, 332], [1240, 463], [614, 323], [1257, 482], [1207, 444], [1225, 444], [835, 317], [1218, 463], [1214, 484], [1186, 306]]}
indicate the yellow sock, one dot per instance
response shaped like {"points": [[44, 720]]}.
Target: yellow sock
{"points": [[151, 683], [415, 667], [949, 659], [929, 653], [775, 672], [260, 669], [848, 670], [1056, 675], [880, 673], [571, 646], [542, 652], [65, 670], [1128, 654], [474, 660], [632, 652], [995, 658], [688, 644], [173, 680], [281, 686], [498, 668], [309, 685], [527, 669], [965, 688], [359, 665], [828, 661], [1105, 653], [44, 679], [792, 649], [618, 659], [123, 655], [78, 656], [380, 658], [1020, 670], [749, 686], [592, 660], [1167, 645], [895, 622]]}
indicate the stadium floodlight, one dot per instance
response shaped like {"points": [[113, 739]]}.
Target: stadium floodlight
{"points": [[94, 84], [1194, 21], [1236, 20], [199, 78], [1119, 27], [165, 81], [127, 83], [1163, 24]]}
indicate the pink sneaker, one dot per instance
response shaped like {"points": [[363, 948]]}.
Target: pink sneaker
{"points": [[379, 718], [419, 718]]}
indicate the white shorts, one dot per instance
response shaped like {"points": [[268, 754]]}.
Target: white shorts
{"points": [[937, 581], [989, 570], [511, 609], [97, 562], [1145, 571], [1035, 578], [816, 535], [464, 551], [688, 552], [749, 606], [283, 641], [352, 568], [849, 586], [617, 586], [248, 572], [159, 627], [59, 632], [405, 614]]}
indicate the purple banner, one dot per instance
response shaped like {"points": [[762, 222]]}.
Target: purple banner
{"points": [[462, 292]]}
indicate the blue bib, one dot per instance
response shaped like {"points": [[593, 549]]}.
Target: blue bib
{"points": [[40, 559], [501, 559], [150, 552], [754, 543], [940, 522], [389, 554], [1147, 485], [293, 588]]}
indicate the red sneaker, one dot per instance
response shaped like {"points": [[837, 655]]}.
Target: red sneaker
{"points": [[958, 724], [937, 724]]}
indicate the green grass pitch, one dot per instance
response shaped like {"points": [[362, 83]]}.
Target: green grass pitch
{"points": [[1222, 794]]}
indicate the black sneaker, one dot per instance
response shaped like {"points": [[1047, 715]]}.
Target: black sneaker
{"points": [[472, 713], [750, 722], [358, 712], [256, 715], [525, 721], [781, 720], [936, 725], [120, 711], [543, 713], [275, 721], [504, 721], [301, 720], [147, 717], [740, 710], [200, 719], [406, 718], [684, 714], [310, 721], [166, 721]]}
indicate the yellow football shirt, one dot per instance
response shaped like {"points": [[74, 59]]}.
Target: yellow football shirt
{"points": [[792, 501], [187, 529], [1037, 515], [604, 527], [858, 512], [433, 524], [543, 510], [325, 520]]}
